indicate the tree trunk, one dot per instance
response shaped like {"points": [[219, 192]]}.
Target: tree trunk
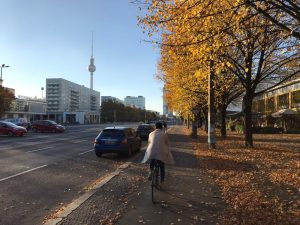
{"points": [[247, 101], [206, 124], [194, 128], [223, 121]]}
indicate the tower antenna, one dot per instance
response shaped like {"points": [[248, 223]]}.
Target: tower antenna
{"points": [[92, 67]]}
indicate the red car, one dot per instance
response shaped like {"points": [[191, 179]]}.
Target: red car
{"points": [[47, 126], [10, 129]]}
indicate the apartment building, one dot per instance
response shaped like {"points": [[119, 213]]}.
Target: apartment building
{"points": [[68, 102]]}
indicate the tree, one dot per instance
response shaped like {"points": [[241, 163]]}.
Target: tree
{"points": [[112, 111], [6, 98], [283, 13], [232, 35]]}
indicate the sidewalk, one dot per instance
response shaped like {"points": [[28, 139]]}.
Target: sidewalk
{"points": [[188, 195]]}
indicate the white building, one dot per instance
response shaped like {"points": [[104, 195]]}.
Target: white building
{"points": [[166, 111], [138, 102], [26, 107], [68, 102]]}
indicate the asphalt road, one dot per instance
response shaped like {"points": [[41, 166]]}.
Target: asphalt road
{"points": [[42, 172]]}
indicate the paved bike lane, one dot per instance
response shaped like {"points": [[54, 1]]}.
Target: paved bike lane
{"points": [[188, 196]]}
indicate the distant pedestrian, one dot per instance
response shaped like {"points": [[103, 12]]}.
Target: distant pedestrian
{"points": [[158, 150]]}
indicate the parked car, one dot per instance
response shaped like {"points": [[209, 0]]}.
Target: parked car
{"points": [[19, 121], [47, 126], [11, 129], [144, 130], [120, 140]]}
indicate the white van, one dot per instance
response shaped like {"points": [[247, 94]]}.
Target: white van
{"points": [[18, 121]]}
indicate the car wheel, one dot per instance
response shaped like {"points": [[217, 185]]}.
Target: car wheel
{"points": [[10, 134], [98, 154], [34, 130], [53, 131]]}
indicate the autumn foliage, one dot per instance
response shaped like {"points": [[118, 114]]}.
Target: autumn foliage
{"points": [[6, 97], [260, 185], [249, 53]]}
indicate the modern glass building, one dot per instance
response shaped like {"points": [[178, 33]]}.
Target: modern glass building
{"points": [[138, 102]]}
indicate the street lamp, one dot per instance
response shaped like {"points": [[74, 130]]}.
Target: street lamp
{"points": [[2, 66], [42, 88], [211, 108]]}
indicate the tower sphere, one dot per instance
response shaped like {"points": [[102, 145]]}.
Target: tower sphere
{"points": [[92, 68]]}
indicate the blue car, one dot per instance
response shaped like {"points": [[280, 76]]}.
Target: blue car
{"points": [[120, 140]]}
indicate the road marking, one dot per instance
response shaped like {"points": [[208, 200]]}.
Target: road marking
{"points": [[40, 149], [26, 171], [82, 153], [75, 142]]}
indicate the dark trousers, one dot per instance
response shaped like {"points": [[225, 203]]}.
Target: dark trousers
{"points": [[161, 167]]}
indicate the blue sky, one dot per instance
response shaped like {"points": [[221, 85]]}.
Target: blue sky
{"points": [[42, 39]]}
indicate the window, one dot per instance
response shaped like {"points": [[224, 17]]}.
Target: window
{"points": [[112, 133], [283, 101], [296, 99], [270, 107], [261, 106]]}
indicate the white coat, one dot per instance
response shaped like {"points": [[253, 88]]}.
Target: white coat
{"points": [[158, 147]]}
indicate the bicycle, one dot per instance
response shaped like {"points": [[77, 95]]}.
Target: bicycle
{"points": [[155, 179]]}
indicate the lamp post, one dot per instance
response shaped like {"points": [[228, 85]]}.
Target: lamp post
{"points": [[42, 88], [2, 66], [211, 108]]}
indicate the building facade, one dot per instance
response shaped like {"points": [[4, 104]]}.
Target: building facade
{"points": [[285, 96], [29, 108], [269, 107], [68, 102], [166, 111], [138, 102]]}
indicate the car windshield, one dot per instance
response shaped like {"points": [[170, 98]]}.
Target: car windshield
{"points": [[111, 133], [52, 122]]}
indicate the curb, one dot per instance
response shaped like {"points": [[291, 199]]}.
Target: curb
{"points": [[59, 216]]}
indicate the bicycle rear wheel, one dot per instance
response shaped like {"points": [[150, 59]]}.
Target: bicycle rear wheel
{"points": [[153, 184]]}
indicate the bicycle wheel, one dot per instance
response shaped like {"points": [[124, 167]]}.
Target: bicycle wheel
{"points": [[153, 184]]}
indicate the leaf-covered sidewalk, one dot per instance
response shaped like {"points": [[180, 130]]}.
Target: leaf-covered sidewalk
{"points": [[260, 185]]}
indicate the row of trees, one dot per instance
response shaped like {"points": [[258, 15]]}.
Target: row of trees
{"points": [[250, 46], [112, 111], [6, 98]]}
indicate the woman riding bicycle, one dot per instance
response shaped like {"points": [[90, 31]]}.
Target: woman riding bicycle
{"points": [[158, 151]]}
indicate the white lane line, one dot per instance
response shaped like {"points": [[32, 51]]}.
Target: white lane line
{"points": [[26, 171], [40, 149], [82, 153], [75, 142]]}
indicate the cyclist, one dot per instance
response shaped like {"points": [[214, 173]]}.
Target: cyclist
{"points": [[158, 150]]}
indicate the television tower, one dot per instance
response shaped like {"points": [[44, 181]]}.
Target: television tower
{"points": [[92, 67]]}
